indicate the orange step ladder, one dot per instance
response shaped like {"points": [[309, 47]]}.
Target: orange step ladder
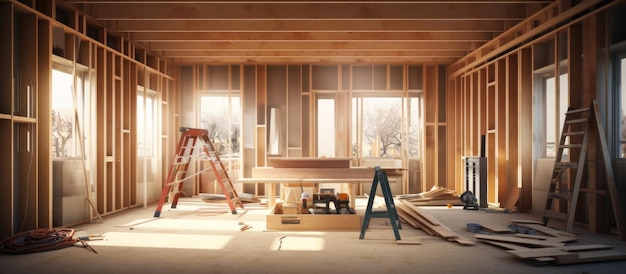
{"points": [[177, 173]]}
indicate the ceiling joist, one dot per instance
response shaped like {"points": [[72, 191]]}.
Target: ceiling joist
{"points": [[286, 31]]}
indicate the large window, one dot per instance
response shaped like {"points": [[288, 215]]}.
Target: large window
{"points": [[326, 127], [69, 99], [379, 126], [220, 114], [551, 110]]}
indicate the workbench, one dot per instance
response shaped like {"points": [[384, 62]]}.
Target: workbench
{"points": [[301, 170]]}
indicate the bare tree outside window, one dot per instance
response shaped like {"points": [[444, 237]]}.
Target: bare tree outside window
{"points": [[382, 127], [383, 124], [222, 124], [62, 132]]}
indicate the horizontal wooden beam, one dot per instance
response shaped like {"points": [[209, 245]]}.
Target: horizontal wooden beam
{"points": [[315, 60], [315, 53], [309, 45], [305, 1], [310, 36], [306, 10], [360, 25]]}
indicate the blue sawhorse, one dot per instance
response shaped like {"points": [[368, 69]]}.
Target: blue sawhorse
{"points": [[381, 178]]}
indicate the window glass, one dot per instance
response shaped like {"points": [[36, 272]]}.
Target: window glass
{"points": [[221, 116], [325, 127], [555, 106], [67, 102]]}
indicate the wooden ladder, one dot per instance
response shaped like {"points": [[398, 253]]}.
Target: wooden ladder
{"points": [[380, 177], [177, 173], [575, 137]]}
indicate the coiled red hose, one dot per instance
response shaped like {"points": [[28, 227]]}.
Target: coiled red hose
{"points": [[38, 240]]}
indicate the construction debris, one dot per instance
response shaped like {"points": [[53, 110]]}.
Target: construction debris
{"points": [[436, 196], [409, 213], [532, 241]]}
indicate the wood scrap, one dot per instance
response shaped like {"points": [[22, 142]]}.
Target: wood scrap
{"points": [[571, 254], [520, 221], [547, 238], [551, 249], [495, 229], [591, 257], [549, 231], [428, 223], [416, 241], [436, 196], [522, 241], [431, 219], [464, 241]]}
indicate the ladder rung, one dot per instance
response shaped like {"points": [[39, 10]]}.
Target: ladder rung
{"points": [[573, 133], [573, 111], [560, 196], [566, 165], [576, 121], [555, 215], [571, 146]]}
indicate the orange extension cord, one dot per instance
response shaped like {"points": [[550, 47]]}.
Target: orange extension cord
{"points": [[38, 240]]}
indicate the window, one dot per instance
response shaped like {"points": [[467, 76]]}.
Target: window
{"points": [[325, 127], [146, 123], [68, 100], [220, 114], [377, 124], [553, 106]]}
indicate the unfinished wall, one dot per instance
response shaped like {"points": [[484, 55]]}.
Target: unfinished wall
{"points": [[35, 193], [495, 86], [293, 90]]}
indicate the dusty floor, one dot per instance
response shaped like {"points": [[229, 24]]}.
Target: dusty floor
{"points": [[198, 237]]}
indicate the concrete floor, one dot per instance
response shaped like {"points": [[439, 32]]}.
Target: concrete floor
{"points": [[198, 237]]}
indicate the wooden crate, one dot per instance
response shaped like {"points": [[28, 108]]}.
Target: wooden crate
{"points": [[275, 220]]}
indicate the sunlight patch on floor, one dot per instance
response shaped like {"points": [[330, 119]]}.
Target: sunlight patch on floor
{"points": [[163, 240]]}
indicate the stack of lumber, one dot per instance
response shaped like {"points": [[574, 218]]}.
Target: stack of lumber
{"points": [[417, 218], [550, 246], [436, 196]]}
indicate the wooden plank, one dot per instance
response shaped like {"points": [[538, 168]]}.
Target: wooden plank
{"points": [[464, 241], [495, 229], [516, 240], [520, 221], [510, 246], [589, 247], [416, 241], [431, 219], [308, 162], [591, 257], [406, 218], [314, 173], [549, 231], [402, 208], [547, 238], [454, 202], [538, 252], [440, 230]]}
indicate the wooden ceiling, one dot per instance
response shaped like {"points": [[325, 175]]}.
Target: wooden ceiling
{"points": [[326, 31]]}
